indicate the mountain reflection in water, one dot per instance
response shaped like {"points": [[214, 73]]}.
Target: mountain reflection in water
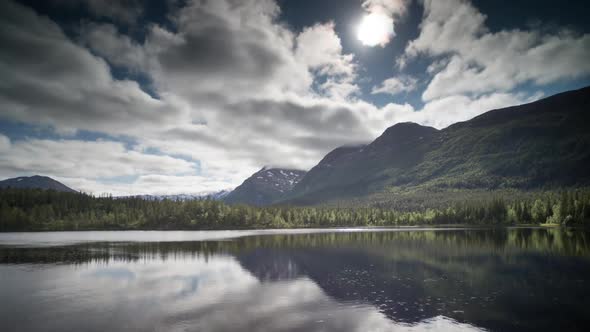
{"points": [[454, 280]]}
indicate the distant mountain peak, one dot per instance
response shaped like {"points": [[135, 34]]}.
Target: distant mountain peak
{"points": [[407, 124], [35, 182], [215, 195], [265, 186]]}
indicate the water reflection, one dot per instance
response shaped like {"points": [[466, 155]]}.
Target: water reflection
{"points": [[504, 280]]}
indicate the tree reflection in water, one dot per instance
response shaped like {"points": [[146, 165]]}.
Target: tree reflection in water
{"points": [[497, 279]]}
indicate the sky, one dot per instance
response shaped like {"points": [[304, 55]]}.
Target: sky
{"points": [[135, 97]]}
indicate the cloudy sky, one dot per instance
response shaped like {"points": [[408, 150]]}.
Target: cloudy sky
{"points": [[164, 97]]}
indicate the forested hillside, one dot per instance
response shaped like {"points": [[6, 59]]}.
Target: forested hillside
{"points": [[541, 145]]}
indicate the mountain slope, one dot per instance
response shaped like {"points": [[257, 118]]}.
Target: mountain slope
{"points": [[542, 144], [355, 171], [265, 186], [35, 182]]}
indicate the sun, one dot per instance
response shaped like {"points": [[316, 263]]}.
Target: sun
{"points": [[375, 29]]}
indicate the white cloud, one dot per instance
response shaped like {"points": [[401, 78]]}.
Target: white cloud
{"points": [[396, 85], [482, 61], [4, 143], [121, 50], [443, 112], [320, 49], [151, 184], [85, 159]]}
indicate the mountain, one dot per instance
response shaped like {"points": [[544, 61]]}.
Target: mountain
{"points": [[35, 182], [355, 171], [544, 144], [217, 196], [265, 186]]}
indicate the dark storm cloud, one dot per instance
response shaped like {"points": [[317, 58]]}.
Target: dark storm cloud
{"points": [[229, 46], [209, 45], [315, 117]]}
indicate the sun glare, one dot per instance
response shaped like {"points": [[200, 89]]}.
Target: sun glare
{"points": [[375, 29]]}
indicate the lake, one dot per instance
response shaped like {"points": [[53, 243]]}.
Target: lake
{"points": [[415, 279]]}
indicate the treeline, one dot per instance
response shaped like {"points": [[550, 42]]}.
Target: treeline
{"points": [[26, 209]]}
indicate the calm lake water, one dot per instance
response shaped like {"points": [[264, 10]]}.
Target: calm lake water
{"points": [[519, 279]]}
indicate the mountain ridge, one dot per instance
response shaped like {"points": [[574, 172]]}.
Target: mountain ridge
{"points": [[35, 182], [215, 195], [512, 147]]}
